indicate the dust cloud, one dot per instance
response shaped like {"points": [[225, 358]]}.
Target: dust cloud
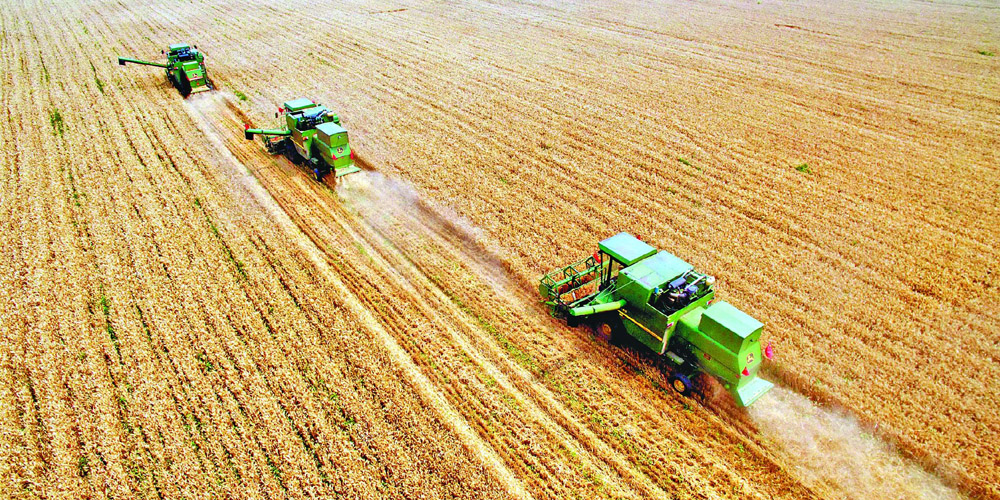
{"points": [[830, 451], [209, 110], [395, 209]]}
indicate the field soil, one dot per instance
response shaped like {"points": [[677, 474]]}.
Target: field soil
{"points": [[191, 317]]}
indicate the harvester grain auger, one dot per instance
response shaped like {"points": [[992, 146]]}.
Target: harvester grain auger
{"points": [[628, 287], [312, 135], [185, 68]]}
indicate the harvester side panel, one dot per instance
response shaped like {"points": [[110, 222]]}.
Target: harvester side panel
{"points": [[302, 142], [638, 324]]}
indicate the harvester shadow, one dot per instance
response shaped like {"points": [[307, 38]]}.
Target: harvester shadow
{"points": [[706, 390]]}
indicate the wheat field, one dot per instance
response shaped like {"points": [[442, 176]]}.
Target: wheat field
{"points": [[190, 317]]}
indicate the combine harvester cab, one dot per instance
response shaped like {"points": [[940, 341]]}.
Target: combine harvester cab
{"points": [[629, 287], [185, 68], [312, 135]]}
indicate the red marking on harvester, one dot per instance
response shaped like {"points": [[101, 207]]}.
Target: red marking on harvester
{"points": [[768, 351], [746, 372]]}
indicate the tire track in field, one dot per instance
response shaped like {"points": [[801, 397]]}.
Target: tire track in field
{"points": [[134, 311], [296, 184], [316, 206], [428, 390], [307, 207]]}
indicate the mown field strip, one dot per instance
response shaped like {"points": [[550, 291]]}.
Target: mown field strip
{"points": [[428, 391], [157, 321]]}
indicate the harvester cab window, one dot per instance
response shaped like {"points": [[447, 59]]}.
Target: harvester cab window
{"points": [[611, 271]]}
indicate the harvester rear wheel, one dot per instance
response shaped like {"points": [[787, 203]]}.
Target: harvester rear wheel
{"points": [[681, 383]]}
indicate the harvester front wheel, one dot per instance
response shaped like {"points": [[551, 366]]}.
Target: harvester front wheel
{"points": [[273, 147], [607, 328], [681, 383], [184, 85]]}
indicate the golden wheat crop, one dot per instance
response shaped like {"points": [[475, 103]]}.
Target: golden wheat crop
{"points": [[188, 316]]}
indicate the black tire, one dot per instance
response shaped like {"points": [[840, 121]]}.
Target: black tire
{"points": [[681, 383], [293, 155], [318, 168], [273, 147], [185, 85], [607, 327]]}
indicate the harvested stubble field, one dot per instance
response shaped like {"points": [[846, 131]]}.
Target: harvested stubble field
{"points": [[189, 317]]}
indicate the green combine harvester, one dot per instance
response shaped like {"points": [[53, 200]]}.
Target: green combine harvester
{"points": [[629, 287], [185, 68], [312, 136]]}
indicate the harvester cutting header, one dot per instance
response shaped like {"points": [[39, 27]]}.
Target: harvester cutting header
{"points": [[629, 287], [185, 68], [312, 135]]}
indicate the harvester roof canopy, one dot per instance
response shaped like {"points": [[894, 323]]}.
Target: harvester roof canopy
{"points": [[298, 104], [658, 270], [626, 248], [178, 46], [314, 111]]}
